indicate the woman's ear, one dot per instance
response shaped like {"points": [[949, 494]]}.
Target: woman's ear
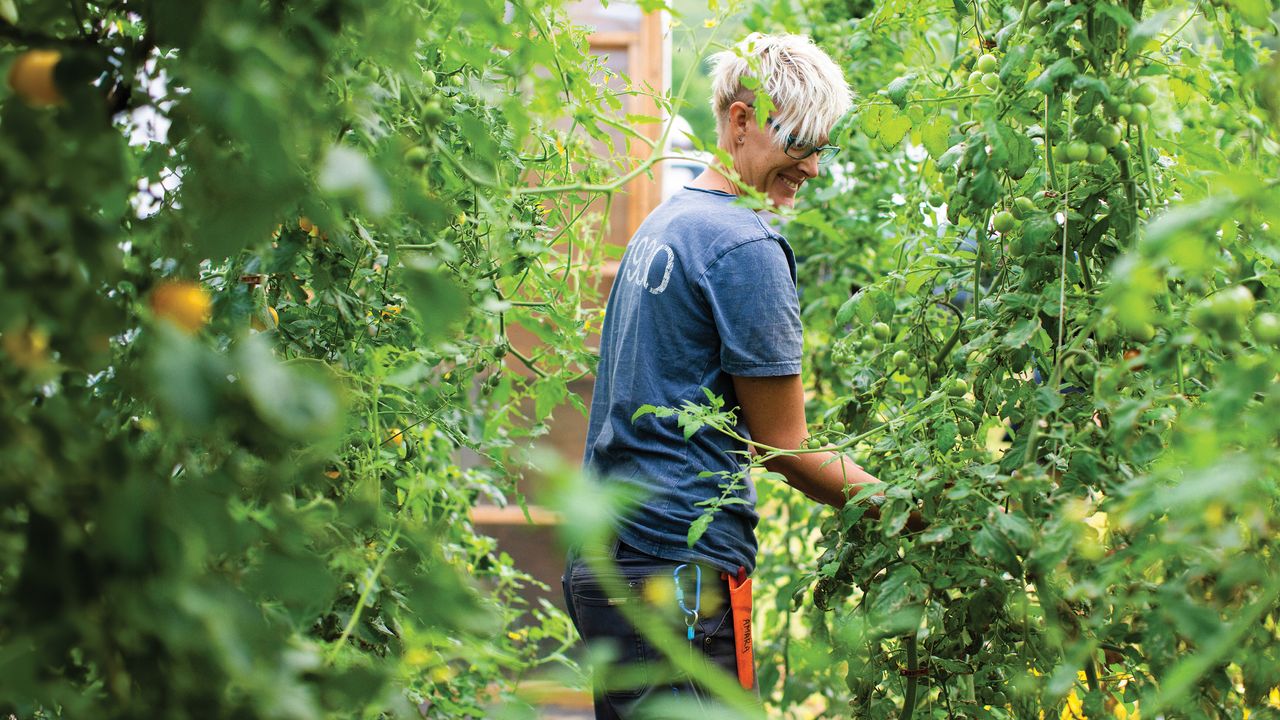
{"points": [[739, 116]]}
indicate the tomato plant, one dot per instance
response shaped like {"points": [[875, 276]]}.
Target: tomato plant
{"points": [[1093, 303], [261, 264]]}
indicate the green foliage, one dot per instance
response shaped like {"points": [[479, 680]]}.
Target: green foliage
{"points": [[1039, 300], [1101, 490], [239, 518]]}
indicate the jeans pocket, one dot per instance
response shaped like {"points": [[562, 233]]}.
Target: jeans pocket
{"points": [[627, 672], [718, 643]]}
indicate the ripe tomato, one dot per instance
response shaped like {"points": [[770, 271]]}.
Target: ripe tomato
{"points": [[32, 77], [262, 322], [28, 348], [185, 304]]}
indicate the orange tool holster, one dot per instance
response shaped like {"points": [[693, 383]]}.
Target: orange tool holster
{"points": [[740, 602]]}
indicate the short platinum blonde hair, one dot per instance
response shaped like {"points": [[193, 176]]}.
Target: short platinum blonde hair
{"points": [[803, 82]]}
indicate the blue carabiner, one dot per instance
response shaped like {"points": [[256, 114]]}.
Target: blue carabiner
{"points": [[691, 616]]}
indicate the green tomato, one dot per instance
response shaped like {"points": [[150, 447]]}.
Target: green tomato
{"points": [[457, 79], [1124, 110], [937, 199], [1266, 328], [432, 113], [1109, 136], [1077, 150], [991, 81], [988, 63], [975, 77], [957, 387], [813, 443], [966, 427], [881, 330], [1106, 329], [901, 359], [1144, 94], [417, 156], [429, 79], [1024, 207], [1143, 333], [1003, 221], [1123, 149], [1140, 114], [837, 427], [1097, 153], [1234, 303]]}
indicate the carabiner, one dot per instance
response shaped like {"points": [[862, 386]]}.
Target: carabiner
{"points": [[690, 616]]}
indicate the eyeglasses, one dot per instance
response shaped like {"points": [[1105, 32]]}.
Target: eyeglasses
{"points": [[798, 150]]}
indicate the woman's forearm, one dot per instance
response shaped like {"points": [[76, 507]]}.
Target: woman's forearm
{"points": [[826, 477]]}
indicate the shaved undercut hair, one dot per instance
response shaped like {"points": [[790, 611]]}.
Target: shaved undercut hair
{"points": [[804, 83]]}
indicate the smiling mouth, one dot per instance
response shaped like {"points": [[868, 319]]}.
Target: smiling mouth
{"points": [[790, 183]]}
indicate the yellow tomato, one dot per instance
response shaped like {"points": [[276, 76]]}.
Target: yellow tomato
{"points": [[28, 348], [308, 227], [31, 77], [417, 657], [259, 323], [185, 304]]}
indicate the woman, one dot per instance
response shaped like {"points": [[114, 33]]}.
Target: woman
{"points": [[706, 298]]}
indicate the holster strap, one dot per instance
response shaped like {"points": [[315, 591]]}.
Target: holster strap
{"points": [[740, 602]]}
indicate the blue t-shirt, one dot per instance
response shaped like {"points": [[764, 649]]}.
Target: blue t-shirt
{"points": [[706, 290]]}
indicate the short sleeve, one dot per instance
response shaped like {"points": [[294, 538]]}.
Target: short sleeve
{"points": [[752, 295]]}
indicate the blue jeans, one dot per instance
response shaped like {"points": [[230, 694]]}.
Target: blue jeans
{"points": [[638, 673]]}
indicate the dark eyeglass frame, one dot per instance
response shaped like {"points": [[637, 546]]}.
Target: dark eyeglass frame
{"points": [[791, 146]]}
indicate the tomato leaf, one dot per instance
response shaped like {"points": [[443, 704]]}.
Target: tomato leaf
{"points": [[1062, 67], [1257, 13], [935, 135], [897, 89], [1116, 12], [699, 527]]}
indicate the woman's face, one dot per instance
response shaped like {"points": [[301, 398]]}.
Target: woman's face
{"points": [[761, 162]]}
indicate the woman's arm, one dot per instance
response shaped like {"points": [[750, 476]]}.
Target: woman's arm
{"points": [[773, 409]]}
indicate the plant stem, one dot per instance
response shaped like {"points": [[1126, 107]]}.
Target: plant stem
{"points": [[913, 680], [374, 573]]}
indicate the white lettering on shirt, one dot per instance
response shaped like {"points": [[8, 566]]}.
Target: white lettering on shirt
{"points": [[643, 252]]}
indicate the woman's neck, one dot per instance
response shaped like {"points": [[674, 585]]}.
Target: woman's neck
{"points": [[713, 179]]}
